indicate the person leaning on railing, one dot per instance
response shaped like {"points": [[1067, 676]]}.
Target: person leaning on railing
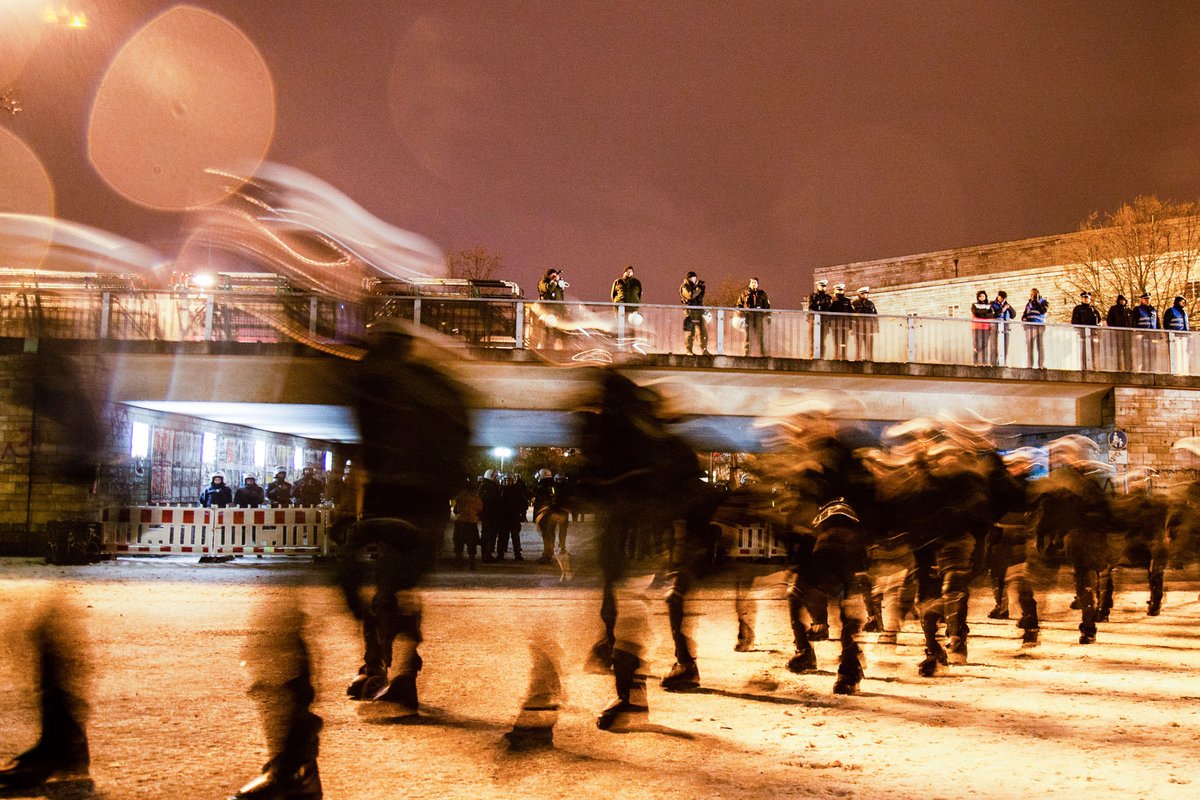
{"points": [[1145, 319], [1175, 319], [1086, 317], [865, 329], [818, 303], [981, 327], [840, 325], [1003, 311], [1120, 318], [755, 301], [1034, 319]]}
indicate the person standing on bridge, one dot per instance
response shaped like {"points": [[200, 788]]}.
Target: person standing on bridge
{"points": [[866, 328], [981, 327], [1003, 311], [691, 293], [1145, 319], [627, 294], [755, 301], [1175, 319], [818, 303], [840, 324], [1034, 319], [1120, 319], [1087, 318], [550, 290]]}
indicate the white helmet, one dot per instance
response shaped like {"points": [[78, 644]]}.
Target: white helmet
{"points": [[489, 474], [545, 473]]}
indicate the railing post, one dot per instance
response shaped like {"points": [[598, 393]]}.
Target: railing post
{"points": [[105, 310], [816, 342], [416, 311], [911, 327], [312, 316], [1001, 343], [1172, 353], [720, 331], [209, 308], [519, 333], [621, 327]]}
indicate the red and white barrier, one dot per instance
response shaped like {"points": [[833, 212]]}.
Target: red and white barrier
{"points": [[271, 531], [164, 530], [157, 530]]}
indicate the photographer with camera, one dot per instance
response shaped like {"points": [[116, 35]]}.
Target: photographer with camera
{"points": [[550, 290], [691, 293]]}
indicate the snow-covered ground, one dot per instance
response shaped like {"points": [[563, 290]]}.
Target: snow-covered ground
{"points": [[172, 719]]}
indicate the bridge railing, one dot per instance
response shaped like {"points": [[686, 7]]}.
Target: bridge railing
{"points": [[573, 327]]}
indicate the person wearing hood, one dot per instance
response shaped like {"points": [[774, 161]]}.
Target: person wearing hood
{"points": [[216, 494], [1034, 319], [1120, 318], [1175, 319]]}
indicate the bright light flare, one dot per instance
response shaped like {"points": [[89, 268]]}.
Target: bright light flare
{"points": [[186, 100], [26, 187]]}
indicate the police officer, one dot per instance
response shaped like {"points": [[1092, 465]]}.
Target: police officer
{"points": [[818, 303], [1087, 318], [491, 517], [865, 329], [279, 491], [250, 495], [309, 489], [1145, 319], [840, 325], [216, 494]]}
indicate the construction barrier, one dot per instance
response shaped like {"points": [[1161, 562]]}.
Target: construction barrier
{"points": [[754, 541], [271, 531], [157, 530], [211, 532]]}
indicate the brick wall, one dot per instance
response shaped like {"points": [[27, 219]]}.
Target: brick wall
{"points": [[1155, 419], [33, 448]]}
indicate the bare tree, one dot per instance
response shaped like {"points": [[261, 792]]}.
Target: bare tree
{"points": [[726, 293], [1149, 245], [478, 263]]}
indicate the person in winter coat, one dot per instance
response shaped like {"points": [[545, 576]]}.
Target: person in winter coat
{"points": [[309, 490], [216, 494], [982, 330], [691, 294], [250, 495], [866, 328], [1086, 319], [1003, 311], [840, 326], [1145, 319], [279, 491], [1120, 319], [755, 301], [1034, 319]]}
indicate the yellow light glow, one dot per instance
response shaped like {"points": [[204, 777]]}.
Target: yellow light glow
{"points": [[78, 21]]}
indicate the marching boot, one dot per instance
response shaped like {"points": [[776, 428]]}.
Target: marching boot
{"points": [[682, 677], [935, 656], [850, 666], [957, 650], [402, 691], [44, 763], [600, 658], [366, 684], [745, 639], [631, 693], [281, 783], [1156, 595]]}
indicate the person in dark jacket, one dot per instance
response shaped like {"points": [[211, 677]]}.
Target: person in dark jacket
{"points": [[1034, 319], [279, 491], [416, 432], [492, 518], [840, 326], [981, 329], [250, 494], [550, 289], [309, 489], [818, 303], [216, 494], [1175, 319], [1120, 319], [627, 289], [1003, 311], [514, 496], [755, 301], [691, 294], [550, 514], [1086, 319], [1145, 319], [866, 328]]}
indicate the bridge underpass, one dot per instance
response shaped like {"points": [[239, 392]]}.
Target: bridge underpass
{"points": [[521, 400]]}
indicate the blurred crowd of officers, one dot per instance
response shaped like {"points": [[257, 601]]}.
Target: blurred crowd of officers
{"points": [[308, 491]]}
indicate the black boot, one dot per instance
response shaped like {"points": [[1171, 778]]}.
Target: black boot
{"points": [[803, 661], [1156, 595], [44, 762], [631, 693], [935, 656], [682, 677], [402, 691], [278, 782], [745, 640]]}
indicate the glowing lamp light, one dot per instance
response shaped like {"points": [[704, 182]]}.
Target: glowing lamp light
{"points": [[203, 280], [502, 452], [78, 21]]}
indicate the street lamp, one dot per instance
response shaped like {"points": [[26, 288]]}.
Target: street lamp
{"points": [[502, 453]]}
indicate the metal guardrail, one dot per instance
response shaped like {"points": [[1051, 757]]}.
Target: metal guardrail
{"points": [[572, 327]]}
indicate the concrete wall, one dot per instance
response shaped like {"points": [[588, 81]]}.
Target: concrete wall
{"points": [[34, 448], [953, 298], [1155, 419]]}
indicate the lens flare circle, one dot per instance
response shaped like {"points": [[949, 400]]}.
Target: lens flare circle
{"points": [[188, 98], [26, 187]]}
